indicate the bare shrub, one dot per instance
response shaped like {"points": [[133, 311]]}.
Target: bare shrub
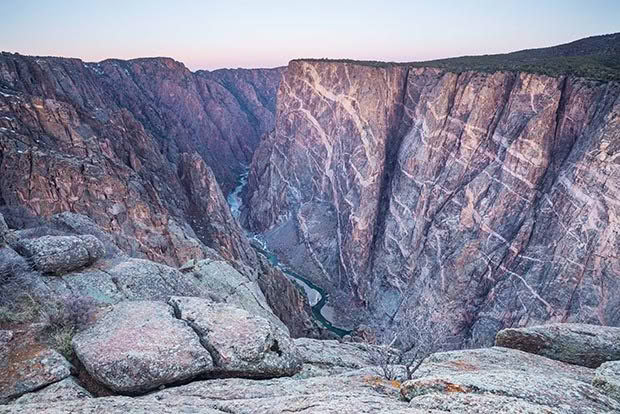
{"points": [[413, 338], [65, 316], [69, 312], [23, 310]]}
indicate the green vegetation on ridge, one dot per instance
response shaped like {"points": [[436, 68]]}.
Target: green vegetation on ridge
{"points": [[596, 57]]}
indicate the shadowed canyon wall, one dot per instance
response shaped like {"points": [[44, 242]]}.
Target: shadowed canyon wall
{"points": [[493, 198]]}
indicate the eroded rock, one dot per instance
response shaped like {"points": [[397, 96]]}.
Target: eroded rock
{"points": [[138, 346], [61, 254], [30, 368], [240, 343], [580, 344], [66, 390], [330, 357], [607, 379]]}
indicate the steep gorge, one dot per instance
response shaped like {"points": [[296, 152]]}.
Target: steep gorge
{"points": [[491, 198], [135, 145]]}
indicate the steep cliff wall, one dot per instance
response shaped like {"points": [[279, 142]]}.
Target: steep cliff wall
{"points": [[131, 144], [492, 197], [323, 168]]}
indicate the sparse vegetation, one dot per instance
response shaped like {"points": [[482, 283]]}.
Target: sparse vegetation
{"points": [[66, 316], [595, 58], [417, 337], [25, 309]]}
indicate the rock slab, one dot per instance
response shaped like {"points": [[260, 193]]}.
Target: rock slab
{"points": [[607, 379], [61, 254], [241, 344], [31, 369], [579, 344], [138, 346]]}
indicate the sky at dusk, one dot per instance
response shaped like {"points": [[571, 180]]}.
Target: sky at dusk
{"points": [[214, 34]]}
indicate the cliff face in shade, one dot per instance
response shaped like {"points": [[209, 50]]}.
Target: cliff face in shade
{"points": [[131, 144], [492, 197]]}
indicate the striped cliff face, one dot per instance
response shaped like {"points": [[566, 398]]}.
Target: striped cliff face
{"points": [[491, 196]]}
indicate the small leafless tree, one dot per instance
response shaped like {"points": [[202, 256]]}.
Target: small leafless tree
{"points": [[415, 337]]}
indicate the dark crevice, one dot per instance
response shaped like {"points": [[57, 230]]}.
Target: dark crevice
{"points": [[390, 163], [215, 356]]}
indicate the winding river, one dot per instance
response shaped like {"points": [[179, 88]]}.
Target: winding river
{"points": [[317, 296]]}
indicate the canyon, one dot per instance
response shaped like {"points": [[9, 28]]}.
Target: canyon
{"points": [[176, 240], [487, 196], [483, 199]]}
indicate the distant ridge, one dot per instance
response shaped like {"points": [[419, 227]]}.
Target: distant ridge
{"points": [[596, 57]]}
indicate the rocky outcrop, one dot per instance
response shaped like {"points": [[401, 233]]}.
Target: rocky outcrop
{"points": [[607, 379], [579, 344], [491, 197], [131, 145], [66, 390], [471, 381], [138, 346], [485, 380], [116, 277], [60, 254], [30, 368], [241, 344]]}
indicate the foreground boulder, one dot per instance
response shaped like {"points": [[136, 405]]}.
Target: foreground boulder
{"points": [[607, 379], [580, 344], [241, 344], [61, 254], [138, 346]]}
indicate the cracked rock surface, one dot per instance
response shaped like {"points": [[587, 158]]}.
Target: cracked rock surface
{"points": [[579, 344], [490, 196], [138, 346], [241, 344], [607, 379]]}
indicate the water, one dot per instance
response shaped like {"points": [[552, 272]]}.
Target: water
{"points": [[234, 199], [317, 296]]}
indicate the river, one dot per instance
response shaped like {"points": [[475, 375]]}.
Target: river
{"points": [[317, 296]]}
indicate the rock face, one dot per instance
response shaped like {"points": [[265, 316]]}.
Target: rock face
{"points": [[131, 144], [607, 379], [288, 302], [27, 370], [241, 344], [579, 344], [61, 254], [66, 390], [457, 381], [488, 196], [139, 346]]}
